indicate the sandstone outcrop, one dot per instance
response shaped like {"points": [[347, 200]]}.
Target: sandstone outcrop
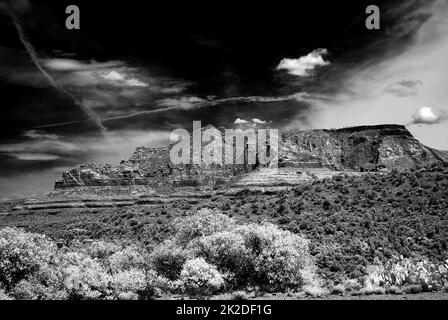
{"points": [[354, 149]]}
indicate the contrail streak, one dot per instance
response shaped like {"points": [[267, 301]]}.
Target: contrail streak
{"points": [[33, 55], [196, 105]]}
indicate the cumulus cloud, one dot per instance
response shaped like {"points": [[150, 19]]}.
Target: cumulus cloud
{"points": [[113, 76], [428, 115], [241, 121], [404, 88], [254, 122], [258, 121], [302, 66]]}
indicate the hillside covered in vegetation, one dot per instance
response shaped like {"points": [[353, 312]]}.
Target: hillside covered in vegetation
{"points": [[351, 223]]}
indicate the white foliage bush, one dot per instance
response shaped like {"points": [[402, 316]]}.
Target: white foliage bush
{"points": [[22, 255], [252, 254], [102, 249], [205, 222], [280, 258], [133, 280], [200, 278], [228, 252], [85, 278], [126, 259], [4, 295], [208, 252]]}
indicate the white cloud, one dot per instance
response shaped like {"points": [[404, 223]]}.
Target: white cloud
{"points": [[363, 98], [136, 83], [427, 115], [302, 66], [253, 123], [121, 79], [241, 121], [258, 121], [113, 76]]}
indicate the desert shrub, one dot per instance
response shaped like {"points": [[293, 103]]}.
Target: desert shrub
{"points": [[413, 288], [351, 285], [228, 252], [4, 295], [280, 258], [47, 283], [205, 222], [394, 290], [249, 255], [32, 267], [22, 254], [200, 278], [101, 249], [128, 258], [37, 288], [133, 280], [338, 289], [406, 271], [168, 258], [84, 277]]}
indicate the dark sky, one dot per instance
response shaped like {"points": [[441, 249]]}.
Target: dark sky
{"points": [[214, 61]]}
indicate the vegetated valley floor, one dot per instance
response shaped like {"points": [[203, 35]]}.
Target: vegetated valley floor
{"points": [[349, 220]]}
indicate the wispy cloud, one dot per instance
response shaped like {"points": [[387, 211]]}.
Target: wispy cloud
{"points": [[187, 102], [404, 88], [35, 156], [63, 64], [40, 145], [117, 78], [36, 162], [386, 87], [38, 64]]}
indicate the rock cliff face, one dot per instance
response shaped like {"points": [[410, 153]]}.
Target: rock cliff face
{"points": [[366, 148], [357, 148], [150, 167]]}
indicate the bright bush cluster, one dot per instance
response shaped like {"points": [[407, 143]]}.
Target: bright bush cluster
{"points": [[200, 278], [256, 255], [23, 254], [401, 271], [209, 253], [32, 267]]}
